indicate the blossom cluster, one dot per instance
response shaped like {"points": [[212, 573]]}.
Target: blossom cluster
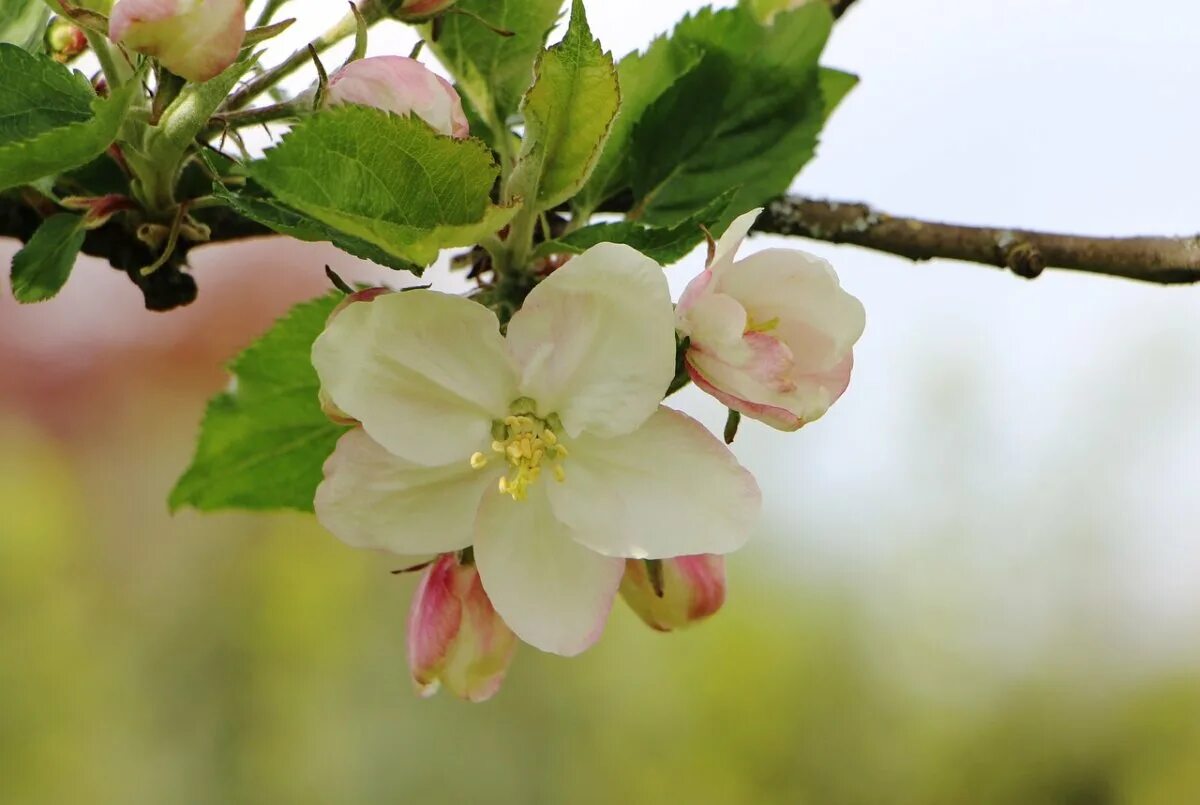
{"points": [[536, 473]]}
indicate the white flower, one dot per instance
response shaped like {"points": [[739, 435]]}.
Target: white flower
{"points": [[547, 450], [771, 335]]}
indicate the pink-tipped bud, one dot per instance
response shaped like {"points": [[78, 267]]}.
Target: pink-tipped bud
{"points": [[692, 587], [195, 39], [335, 414], [455, 637], [65, 40], [418, 10], [402, 86], [97, 210]]}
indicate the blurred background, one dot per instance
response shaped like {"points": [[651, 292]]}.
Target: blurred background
{"points": [[977, 579]]}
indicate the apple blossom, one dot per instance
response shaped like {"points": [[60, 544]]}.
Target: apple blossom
{"points": [[419, 10], [402, 86], [195, 39], [455, 637], [545, 449], [771, 335], [692, 588]]}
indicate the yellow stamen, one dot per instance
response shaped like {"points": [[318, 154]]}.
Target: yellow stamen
{"points": [[526, 442], [766, 327]]}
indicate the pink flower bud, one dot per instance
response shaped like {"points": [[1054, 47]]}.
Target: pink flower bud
{"points": [[693, 587], [419, 10], [771, 335], [195, 39], [65, 40], [402, 86], [455, 636]]}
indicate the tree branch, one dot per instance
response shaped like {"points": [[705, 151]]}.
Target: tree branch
{"points": [[1165, 260], [840, 7]]}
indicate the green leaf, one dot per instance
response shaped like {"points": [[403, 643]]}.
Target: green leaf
{"points": [[41, 268], [746, 116], [298, 225], [39, 94], [568, 112], [390, 181], [725, 103], [664, 245], [52, 150], [23, 22], [493, 70], [643, 77], [262, 445]]}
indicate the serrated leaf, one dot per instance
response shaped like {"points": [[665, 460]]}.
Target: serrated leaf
{"points": [[642, 77], [262, 445], [493, 70], [299, 226], [41, 268], [568, 112], [745, 114], [66, 146], [390, 181], [39, 94], [664, 245], [23, 22]]}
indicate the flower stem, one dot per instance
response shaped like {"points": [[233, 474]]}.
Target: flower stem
{"points": [[109, 61], [371, 10]]}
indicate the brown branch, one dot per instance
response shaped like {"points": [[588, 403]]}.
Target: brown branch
{"points": [[1166, 260], [840, 7]]}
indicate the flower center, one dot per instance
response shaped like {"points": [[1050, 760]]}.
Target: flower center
{"points": [[526, 442], [761, 327]]}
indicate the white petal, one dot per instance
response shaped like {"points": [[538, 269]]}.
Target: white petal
{"points": [[818, 320], [372, 499], [729, 243], [670, 488], [717, 321], [554, 593], [595, 341], [425, 372]]}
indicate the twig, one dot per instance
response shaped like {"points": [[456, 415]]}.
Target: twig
{"points": [[371, 10], [840, 7], [1165, 260]]}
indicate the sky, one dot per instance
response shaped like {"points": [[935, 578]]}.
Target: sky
{"points": [[1015, 458]]}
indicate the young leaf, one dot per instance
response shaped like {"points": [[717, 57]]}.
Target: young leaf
{"points": [[568, 112], [299, 226], [22, 23], [42, 148], [643, 77], [664, 245], [262, 445], [494, 70], [38, 94], [747, 115], [41, 268], [387, 180]]}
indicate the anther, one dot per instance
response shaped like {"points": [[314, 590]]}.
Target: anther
{"points": [[478, 461]]}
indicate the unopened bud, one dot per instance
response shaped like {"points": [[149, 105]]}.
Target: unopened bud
{"points": [[676, 592], [402, 86], [418, 10], [194, 39], [98, 209], [455, 637], [65, 40]]}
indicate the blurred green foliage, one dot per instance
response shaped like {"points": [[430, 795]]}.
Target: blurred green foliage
{"points": [[227, 659]]}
